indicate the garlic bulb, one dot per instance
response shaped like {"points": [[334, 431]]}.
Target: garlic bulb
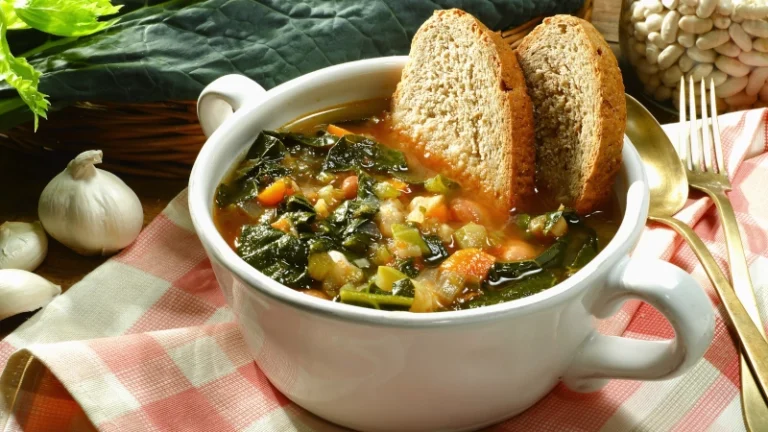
{"points": [[23, 245], [89, 210], [22, 291]]}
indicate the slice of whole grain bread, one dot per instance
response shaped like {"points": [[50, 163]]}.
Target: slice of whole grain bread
{"points": [[463, 101], [580, 111]]}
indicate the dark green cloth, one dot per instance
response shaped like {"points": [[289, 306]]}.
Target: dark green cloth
{"points": [[171, 50]]}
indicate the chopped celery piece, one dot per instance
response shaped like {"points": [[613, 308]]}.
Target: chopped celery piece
{"points": [[387, 276], [385, 190], [376, 301], [522, 221], [319, 265], [471, 235], [409, 235], [440, 184], [381, 255], [325, 177], [362, 263]]}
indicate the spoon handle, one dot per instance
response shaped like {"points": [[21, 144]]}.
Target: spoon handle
{"points": [[754, 346]]}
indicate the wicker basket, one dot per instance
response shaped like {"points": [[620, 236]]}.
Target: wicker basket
{"points": [[157, 139]]}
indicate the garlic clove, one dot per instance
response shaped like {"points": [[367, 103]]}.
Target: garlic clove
{"points": [[23, 245], [23, 291], [90, 210]]}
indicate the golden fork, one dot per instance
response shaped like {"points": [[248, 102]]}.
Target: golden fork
{"points": [[696, 147]]}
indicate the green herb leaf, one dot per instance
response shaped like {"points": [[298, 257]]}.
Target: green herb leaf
{"points": [[22, 76], [365, 186], [266, 147], [301, 220], [409, 177], [551, 219], [296, 203], [437, 252], [278, 255], [522, 220], [320, 141], [252, 175], [532, 284], [502, 272], [353, 152], [365, 208], [553, 256], [66, 17], [375, 301], [407, 267], [359, 234], [586, 254], [404, 288]]}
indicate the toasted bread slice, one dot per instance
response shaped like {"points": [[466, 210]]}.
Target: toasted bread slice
{"points": [[463, 102], [580, 112]]}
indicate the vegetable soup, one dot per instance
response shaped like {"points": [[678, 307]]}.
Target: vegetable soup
{"points": [[338, 209]]}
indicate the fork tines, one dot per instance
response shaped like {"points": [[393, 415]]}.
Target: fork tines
{"points": [[698, 142]]}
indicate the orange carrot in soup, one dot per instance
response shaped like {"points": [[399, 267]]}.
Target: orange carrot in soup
{"points": [[282, 225], [398, 184], [439, 212], [473, 264], [338, 131], [273, 194]]}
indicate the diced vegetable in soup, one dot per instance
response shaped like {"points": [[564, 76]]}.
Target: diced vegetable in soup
{"points": [[339, 211]]}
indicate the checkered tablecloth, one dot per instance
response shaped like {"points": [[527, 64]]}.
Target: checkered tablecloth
{"points": [[146, 342]]}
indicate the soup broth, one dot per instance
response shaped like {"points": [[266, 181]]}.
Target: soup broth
{"points": [[334, 206]]}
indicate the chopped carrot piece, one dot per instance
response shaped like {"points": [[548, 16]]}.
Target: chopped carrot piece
{"points": [[273, 194], [439, 212], [399, 185], [473, 264], [338, 131], [282, 225]]}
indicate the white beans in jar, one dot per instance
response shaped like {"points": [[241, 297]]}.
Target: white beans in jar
{"points": [[725, 41]]}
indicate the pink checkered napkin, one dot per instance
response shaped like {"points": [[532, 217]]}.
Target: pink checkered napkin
{"points": [[146, 342]]}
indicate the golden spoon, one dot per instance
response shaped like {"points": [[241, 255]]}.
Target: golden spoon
{"points": [[669, 190]]}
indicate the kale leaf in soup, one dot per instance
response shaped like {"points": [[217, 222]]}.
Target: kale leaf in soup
{"points": [[341, 212]]}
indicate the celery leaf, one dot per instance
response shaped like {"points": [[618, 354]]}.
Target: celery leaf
{"points": [[11, 19], [66, 17], [21, 75]]}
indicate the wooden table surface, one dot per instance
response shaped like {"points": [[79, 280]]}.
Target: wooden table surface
{"points": [[22, 178]]}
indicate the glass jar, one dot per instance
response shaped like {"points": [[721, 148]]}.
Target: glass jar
{"points": [[722, 40]]}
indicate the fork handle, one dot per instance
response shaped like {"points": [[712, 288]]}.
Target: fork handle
{"points": [[753, 408], [742, 283], [754, 346]]}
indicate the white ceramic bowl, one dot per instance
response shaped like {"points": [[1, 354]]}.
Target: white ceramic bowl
{"points": [[376, 370]]}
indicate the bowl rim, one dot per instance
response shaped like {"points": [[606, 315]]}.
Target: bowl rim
{"points": [[217, 249]]}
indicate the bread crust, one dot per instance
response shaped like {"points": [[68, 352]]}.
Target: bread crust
{"points": [[611, 115], [522, 163], [519, 163]]}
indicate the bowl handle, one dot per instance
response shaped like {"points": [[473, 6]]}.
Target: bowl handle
{"points": [[221, 98], [671, 291]]}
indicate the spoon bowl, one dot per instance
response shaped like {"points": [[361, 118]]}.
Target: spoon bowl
{"points": [[667, 180]]}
